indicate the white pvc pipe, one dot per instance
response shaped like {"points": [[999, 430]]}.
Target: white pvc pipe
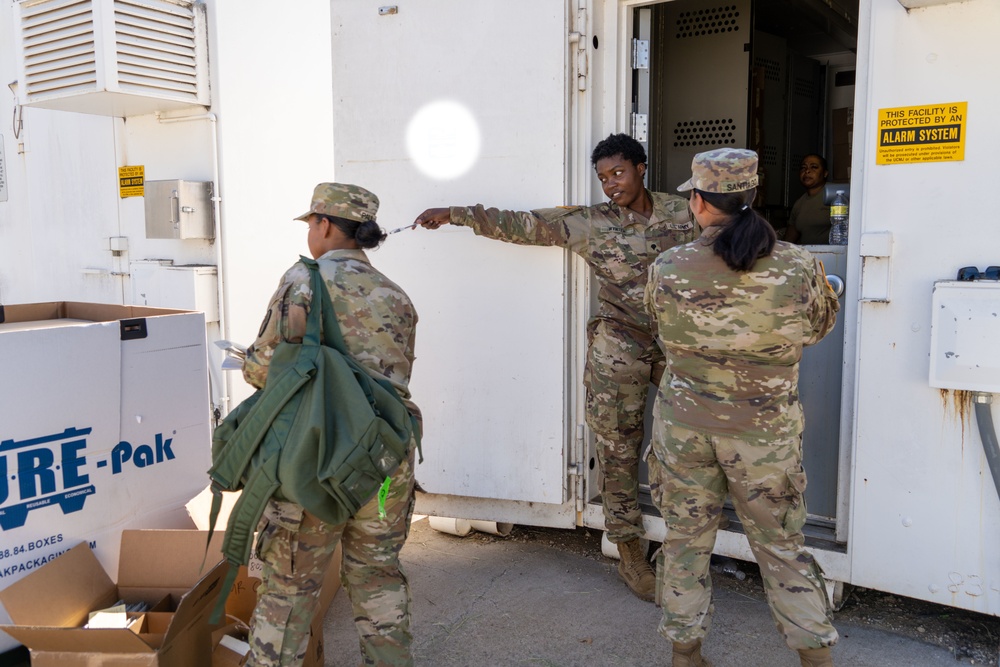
{"points": [[492, 527], [462, 527], [610, 549], [444, 524]]}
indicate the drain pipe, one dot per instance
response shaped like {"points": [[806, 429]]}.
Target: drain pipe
{"points": [[988, 434], [220, 250]]}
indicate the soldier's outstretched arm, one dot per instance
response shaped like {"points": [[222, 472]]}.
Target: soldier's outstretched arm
{"points": [[433, 218], [566, 226]]}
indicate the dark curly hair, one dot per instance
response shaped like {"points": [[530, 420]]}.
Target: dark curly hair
{"points": [[619, 144], [367, 234]]}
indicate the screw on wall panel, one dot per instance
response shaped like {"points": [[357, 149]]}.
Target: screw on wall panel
{"points": [[388, 9]]}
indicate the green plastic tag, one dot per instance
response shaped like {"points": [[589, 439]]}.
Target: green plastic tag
{"points": [[383, 493]]}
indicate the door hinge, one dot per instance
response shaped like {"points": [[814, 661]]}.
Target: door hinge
{"points": [[578, 468], [640, 54], [640, 127]]}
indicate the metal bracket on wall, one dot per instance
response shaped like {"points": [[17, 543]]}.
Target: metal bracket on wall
{"points": [[876, 271]]}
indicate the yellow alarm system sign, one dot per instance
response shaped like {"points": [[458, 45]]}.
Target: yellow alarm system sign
{"points": [[931, 133], [131, 181]]}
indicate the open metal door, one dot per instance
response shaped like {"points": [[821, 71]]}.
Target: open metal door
{"points": [[700, 60], [429, 115], [680, 52]]}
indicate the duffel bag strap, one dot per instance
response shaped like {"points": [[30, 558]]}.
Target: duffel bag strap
{"points": [[243, 520]]}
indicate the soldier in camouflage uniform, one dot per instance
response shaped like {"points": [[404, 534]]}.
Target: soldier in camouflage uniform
{"points": [[618, 240], [733, 311], [378, 322]]}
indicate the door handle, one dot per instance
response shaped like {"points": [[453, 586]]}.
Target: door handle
{"points": [[836, 283]]}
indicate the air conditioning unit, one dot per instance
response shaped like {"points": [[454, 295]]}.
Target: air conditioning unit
{"points": [[111, 57]]}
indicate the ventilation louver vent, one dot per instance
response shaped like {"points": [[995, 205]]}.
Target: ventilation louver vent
{"points": [[769, 156], [112, 57], [704, 133], [804, 87], [709, 21], [772, 68]]}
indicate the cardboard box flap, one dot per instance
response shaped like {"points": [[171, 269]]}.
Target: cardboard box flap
{"points": [[67, 659], [79, 640], [168, 560], [73, 584], [93, 312], [197, 601]]}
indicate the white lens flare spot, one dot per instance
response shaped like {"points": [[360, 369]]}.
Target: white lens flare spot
{"points": [[443, 140]]}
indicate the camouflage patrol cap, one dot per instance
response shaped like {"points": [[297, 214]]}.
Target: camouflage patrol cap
{"points": [[341, 200], [722, 170]]}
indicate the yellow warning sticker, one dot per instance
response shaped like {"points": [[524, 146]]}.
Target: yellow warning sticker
{"points": [[931, 133], [131, 181]]}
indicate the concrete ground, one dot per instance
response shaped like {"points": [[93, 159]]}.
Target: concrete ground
{"points": [[531, 603]]}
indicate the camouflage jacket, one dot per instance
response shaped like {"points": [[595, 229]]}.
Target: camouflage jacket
{"points": [[376, 317], [619, 245], [733, 340]]}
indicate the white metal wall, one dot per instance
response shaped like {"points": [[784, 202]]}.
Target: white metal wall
{"points": [[271, 90], [925, 513], [56, 222], [489, 374], [271, 75]]}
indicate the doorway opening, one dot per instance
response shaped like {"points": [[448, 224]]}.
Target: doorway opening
{"points": [[775, 76]]}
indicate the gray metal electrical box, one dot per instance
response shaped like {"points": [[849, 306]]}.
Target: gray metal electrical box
{"points": [[179, 210]]}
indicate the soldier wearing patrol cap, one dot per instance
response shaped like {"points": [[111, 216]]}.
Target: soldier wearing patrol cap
{"points": [[378, 322], [733, 311], [618, 239]]}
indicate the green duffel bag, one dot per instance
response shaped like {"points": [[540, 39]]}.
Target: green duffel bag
{"points": [[322, 433]]}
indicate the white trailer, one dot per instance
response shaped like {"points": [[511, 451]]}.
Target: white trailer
{"points": [[437, 102]]}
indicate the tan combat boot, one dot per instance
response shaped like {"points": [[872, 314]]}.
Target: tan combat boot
{"points": [[689, 655], [636, 571], [816, 657]]}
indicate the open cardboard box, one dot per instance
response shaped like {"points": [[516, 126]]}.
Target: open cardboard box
{"points": [[89, 444], [243, 596], [160, 567]]}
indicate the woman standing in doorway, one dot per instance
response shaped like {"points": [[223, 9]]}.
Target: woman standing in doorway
{"points": [[809, 223], [733, 311]]}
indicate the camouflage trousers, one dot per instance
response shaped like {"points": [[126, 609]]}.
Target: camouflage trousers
{"points": [[296, 549], [620, 367], [690, 473]]}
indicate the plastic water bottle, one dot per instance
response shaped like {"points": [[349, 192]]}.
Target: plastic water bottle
{"points": [[728, 566], [838, 219]]}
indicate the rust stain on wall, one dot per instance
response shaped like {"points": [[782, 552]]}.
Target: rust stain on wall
{"points": [[959, 404]]}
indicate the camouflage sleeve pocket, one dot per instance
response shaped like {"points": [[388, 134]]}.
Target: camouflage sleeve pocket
{"points": [[795, 517], [278, 516]]}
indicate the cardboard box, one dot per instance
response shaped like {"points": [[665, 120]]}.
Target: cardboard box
{"points": [[106, 426], [234, 654], [230, 646], [841, 170], [842, 125], [50, 606], [243, 598], [843, 137], [243, 595]]}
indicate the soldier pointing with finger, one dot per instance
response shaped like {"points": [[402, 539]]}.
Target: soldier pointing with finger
{"points": [[618, 239]]}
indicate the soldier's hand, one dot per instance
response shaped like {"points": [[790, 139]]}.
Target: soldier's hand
{"points": [[433, 218]]}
